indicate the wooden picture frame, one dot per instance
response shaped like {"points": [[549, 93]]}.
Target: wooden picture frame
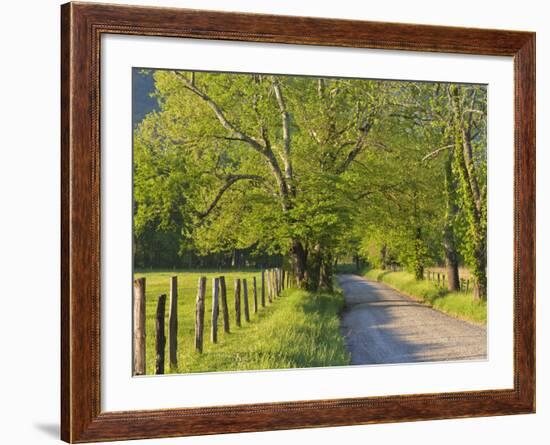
{"points": [[82, 26]]}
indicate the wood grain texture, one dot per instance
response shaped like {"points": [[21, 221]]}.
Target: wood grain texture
{"points": [[81, 28], [139, 318]]}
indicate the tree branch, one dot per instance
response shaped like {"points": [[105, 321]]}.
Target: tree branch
{"points": [[354, 152], [230, 180], [436, 152], [285, 118], [239, 135]]}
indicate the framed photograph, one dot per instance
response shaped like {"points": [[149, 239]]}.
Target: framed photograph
{"points": [[274, 222]]}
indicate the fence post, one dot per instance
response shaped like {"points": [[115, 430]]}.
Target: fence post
{"points": [[438, 279], [225, 309], [139, 326], [263, 288], [161, 337], [238, 302], [443, 279], [283, 279], [288, 279], [255, 295], [215, 310], [173, 323], [199, 314], [245, 298], [269, 287]]}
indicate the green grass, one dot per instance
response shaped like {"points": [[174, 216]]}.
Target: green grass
{"points": [[298, 330], [457, 304]]}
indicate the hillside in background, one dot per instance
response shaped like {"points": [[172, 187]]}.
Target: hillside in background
{"points": [[143, 85]]}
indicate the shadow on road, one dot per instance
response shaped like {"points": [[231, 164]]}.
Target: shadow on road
{"points": [[380, 325]]}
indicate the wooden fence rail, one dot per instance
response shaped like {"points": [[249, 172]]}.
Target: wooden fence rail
{"points": [[442, 280]]}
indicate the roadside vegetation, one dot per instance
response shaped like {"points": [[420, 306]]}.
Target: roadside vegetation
{"points": [[455, 303], [299, 329]]}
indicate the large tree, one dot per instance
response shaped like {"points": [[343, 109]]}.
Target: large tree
{"points": [[266, 158], [309, 169]]}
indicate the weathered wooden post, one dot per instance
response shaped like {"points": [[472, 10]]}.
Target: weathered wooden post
{"points": [[255, 295], [283, 279], [438, 279], [173, 323], [238, 302], [443, 279], [139, 326], [245, 299], [263, 288], [225, 309], [161, 336], [269, 287], [199, 314], [215, 310], [288, 279]]}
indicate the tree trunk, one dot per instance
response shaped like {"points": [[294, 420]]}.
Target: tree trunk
{"points": [[449, 241], [479, 270], [325, 279], [418, 264], [299, 261], [475, 211], [313, 270], [384, 257]]}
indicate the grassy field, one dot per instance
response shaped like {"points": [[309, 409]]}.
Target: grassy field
{"points": [[457, 304], [298, 330]]}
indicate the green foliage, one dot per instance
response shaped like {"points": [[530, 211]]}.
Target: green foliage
{"points": [[260, 164], [457, 304]]}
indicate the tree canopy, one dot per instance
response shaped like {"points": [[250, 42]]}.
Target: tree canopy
{"points": [[251, 168]]}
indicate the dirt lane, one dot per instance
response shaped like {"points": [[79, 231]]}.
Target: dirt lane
{"points": [[381, 325]]}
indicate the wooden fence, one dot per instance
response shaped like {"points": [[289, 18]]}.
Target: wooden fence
{"points": [[271, 284], [441, 279]]}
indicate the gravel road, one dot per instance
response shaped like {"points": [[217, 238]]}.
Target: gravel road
{"points": [[381, 325]]}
